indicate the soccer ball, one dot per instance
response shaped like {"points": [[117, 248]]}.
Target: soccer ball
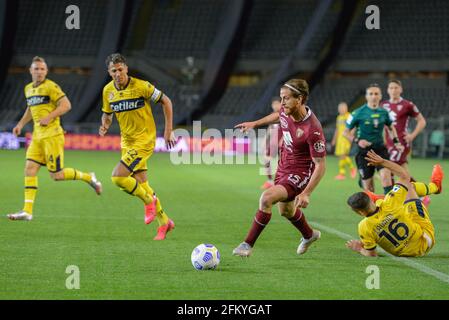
{"points": [[205, 256]]}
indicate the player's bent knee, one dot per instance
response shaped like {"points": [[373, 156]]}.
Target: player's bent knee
{"points": [[30, 172], [120, 171], [31, 169], [57, 176], [266, 200]]}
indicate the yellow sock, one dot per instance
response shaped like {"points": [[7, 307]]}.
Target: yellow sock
{"points": [[423, 189], [130, 185], [349, 162], [161, 216], [30, 194], [147, 187], [73, 174], [341, 167]]}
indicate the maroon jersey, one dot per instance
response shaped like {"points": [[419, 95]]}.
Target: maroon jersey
{"points": [[400, 113], [301, 141]]}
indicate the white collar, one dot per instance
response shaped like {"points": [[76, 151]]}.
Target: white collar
{"points": [[309, 113]]}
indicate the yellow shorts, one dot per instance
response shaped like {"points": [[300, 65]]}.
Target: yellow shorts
{"points": [[135, 158], [419, 215], [342, 147], [47, 152]]}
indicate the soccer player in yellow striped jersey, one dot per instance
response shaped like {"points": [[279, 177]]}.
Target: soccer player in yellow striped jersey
{"points": [[400, 223], [342, 144], [130, 100], [46, 102]]}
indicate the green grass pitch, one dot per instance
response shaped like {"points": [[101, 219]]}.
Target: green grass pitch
{"points": [[105, 236]]}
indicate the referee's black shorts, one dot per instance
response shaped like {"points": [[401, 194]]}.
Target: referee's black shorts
{"points": [[365, 170]]}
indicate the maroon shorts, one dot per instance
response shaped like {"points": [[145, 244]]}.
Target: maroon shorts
{"points": [[397, 156], [293, 183]]}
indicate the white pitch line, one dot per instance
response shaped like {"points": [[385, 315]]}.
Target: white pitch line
{"points": [[415, 265]]}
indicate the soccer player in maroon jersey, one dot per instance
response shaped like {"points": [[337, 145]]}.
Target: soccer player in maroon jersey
{"points": [[301, 166], [272, 144], [401, 110]]}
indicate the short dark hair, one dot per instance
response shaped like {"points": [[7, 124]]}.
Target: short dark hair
{"points": [[115, 58], [373, 85], [398, 82], [359, 201]]}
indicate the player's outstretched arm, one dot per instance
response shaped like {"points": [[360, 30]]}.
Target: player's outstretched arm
{"points": [[167, 107], [62, 107], [22, 122], [403, 176], [375, 160], [357, 246], [270, 119], [106, 121]]}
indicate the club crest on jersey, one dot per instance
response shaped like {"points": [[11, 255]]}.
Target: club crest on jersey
{"points": [[319, 146], [111, 96], [284, 123], [399, 107], [299, 133]]}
